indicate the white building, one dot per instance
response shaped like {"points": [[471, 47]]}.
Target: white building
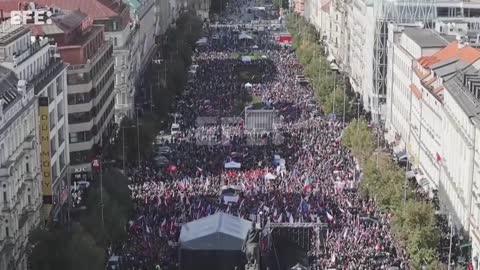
{"points": [[460, 173], [35, 61], [20, 177], [123, 32], [365, 34], [143, 12]]}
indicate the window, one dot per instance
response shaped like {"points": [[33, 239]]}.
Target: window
{"points": [[27, 167], [115, 42], [73, 137], [61, 135], [54, 170], [79, 157], [5, 196], [60, 111], [59, 85], [52, 119], [51, 93], [29, 198], [62, 160], [7, 232], [53, 146]]}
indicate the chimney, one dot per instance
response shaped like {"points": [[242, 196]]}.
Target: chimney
{"points": [[22, 87]]}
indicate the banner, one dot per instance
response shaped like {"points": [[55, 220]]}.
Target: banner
{"points": [[46, 167]]}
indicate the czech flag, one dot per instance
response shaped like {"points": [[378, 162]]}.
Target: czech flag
{"points": [[307, 185]]}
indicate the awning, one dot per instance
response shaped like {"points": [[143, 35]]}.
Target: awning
{"points": [[421, 180]]}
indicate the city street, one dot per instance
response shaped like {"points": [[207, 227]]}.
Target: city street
{"points": [[315, 182]]}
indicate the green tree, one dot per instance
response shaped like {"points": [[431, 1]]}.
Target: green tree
{"points": [[83, 251], [48, 250], [60, 249]]}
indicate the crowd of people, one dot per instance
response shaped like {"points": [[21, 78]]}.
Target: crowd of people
{"points": [[318, 183]]}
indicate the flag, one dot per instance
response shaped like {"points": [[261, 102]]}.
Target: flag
{"points": [[199, 170], [308, 182], [329, 217], [438, 158]]}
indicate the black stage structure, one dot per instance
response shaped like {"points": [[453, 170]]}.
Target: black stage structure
{"points": [[288, 244]]}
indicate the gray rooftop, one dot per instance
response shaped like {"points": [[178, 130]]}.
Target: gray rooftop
{"points": [[466, 100], [425, 38], [448, 68], [8, 87]]}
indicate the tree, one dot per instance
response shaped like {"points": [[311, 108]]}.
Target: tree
{"points": [[48, 252], [60, 249], [83, 251]]}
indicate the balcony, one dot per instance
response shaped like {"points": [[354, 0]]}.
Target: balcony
{"points": [[46, 76], [100, 52]]}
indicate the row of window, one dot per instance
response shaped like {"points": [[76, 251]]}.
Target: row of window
{"points": [[81, 157], [16, 135], [85, 77], [82, 117], [82, 98]]}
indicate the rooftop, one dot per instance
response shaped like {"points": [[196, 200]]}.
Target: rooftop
{"points": [[459, 90], [10, 32], [8, 86], [462, 52], [425, 38], [97, 9]]}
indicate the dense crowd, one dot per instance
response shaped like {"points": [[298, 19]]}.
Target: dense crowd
{"points": [[318, 183]]}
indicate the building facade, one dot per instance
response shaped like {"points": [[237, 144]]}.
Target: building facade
{"points": [[90, 79], [460, 165], [123, 32], [35, 61], [20, 176], [34, 159]]}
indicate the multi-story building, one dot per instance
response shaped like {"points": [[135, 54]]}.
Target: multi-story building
{"points": [[461, 144], [34, 60], [123, 32], [370, 19], [410, 74], [20, 177], [33, 158], [90, 79], [433, 118], [357, 25], [144, 13]]}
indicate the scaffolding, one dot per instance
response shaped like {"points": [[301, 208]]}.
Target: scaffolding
{"points": [[308, 236], [399, 12]]}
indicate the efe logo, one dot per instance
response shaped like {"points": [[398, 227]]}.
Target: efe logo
{"points": [[37, 17]]}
